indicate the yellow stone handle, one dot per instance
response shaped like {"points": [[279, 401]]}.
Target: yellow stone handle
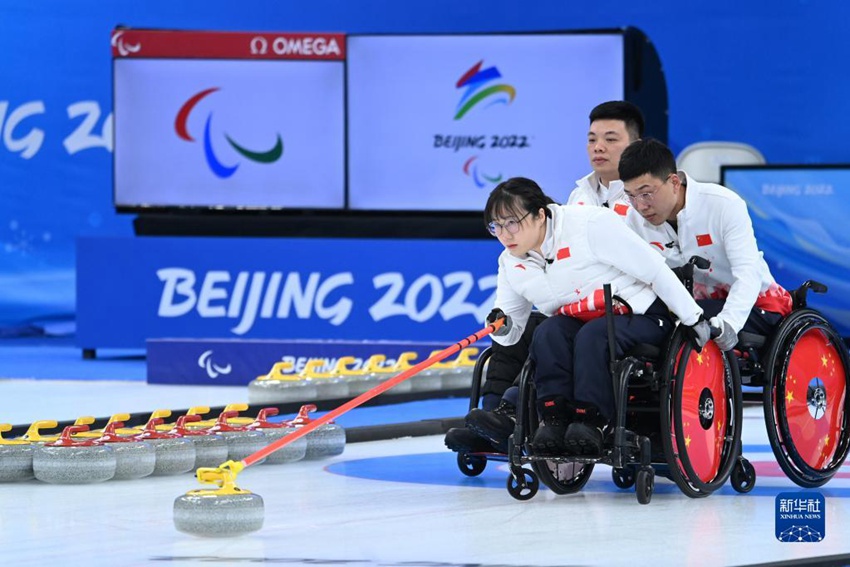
{"points": [[403, 362]]}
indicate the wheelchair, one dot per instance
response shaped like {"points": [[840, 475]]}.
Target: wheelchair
{"points": [[804, 373], [678, 412]]}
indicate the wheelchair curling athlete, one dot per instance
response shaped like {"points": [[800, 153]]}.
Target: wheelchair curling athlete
{"points": [[613, 126], [681, 218], [557, 258]]}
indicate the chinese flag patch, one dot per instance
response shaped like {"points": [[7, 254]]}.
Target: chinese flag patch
{"points": [[621, 209], [563, 253], [704, 240]]}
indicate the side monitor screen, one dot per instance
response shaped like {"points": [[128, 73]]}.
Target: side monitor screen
{"points": [[799, 215]]}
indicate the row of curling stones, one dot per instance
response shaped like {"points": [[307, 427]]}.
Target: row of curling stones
{"points": [[159, 448], [327, 440], [281, 385]]}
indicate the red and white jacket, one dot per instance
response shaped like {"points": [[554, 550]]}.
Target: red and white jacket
{"points": [[715, 224], [589, 191], [584, 248]]}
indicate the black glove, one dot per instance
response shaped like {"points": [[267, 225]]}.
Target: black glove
{"points": [[495, 315], [698, 334], [680, 273]]}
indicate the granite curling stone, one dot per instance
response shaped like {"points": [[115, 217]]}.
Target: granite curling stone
{"points": [[325, 441], [241, 441], [174, 455], [15, 457], [289, 453], [210, 449], [133, 458], [66, 461], [227, 511]]}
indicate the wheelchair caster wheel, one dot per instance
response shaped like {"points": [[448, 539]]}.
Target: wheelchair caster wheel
{"points": [[624, 477], [471, 465], [743, 476], [525, 488], [645, 484]]}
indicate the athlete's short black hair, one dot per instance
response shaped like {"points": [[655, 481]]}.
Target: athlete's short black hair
{"points": [[623, 110]]}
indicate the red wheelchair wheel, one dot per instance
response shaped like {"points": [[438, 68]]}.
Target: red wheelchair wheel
{"points": [[806, 399], [702, 412]]}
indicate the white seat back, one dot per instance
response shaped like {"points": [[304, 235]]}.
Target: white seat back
{"points": [[702, 160]]}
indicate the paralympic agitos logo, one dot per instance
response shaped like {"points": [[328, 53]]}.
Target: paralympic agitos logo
{"points": [[215, 164]]}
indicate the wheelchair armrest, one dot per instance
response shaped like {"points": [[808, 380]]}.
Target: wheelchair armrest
{"points": [[799, 295], [751, 340]]}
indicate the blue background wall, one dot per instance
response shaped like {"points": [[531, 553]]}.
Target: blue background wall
{"points": [[769, 73]]}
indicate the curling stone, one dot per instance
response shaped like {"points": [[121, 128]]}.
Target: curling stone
{"points": [[133, 459], [174, 455], [430, 379], [281, 385], [15, 457], [325, 441], [241, 441], [66, 461], [459, 374], [329, 385], [359, 380], [273, 431], [210, 449], [377, 371], [227, 511], [402, 363]]}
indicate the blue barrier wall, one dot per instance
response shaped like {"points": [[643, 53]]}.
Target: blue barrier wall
{"points": [[758, 72]]}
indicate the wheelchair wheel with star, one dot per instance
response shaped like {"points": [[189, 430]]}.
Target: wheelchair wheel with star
{"points": [[806, 398], [701, 415]]}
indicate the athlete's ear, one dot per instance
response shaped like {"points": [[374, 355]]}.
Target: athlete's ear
{"points": [[676, 181]]}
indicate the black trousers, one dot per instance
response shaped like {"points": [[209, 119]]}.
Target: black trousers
{"points": [[571, 357], [506, 362]]}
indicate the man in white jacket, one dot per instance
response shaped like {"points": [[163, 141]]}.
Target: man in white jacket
{"points": [[681, 218], [613, 126], [557, 258]]}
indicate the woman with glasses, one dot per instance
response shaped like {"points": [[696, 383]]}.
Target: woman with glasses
{"points": [[557, 258]]}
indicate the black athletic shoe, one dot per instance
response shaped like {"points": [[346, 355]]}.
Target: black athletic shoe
{"points": [[496, 426], [584, 439], [463, 440], [549, 438], [556, 413]]}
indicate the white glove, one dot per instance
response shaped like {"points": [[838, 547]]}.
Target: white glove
{"points": [[727, 338]]}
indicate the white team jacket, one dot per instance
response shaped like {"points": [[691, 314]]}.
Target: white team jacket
{"points": [[715, 224], [587, 192], [584, 248]]}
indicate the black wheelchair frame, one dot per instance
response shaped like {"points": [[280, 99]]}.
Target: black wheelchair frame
{"points": [[631, 454]]}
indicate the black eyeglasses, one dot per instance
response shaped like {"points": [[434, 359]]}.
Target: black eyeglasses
{"points": [[512, 226]]}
